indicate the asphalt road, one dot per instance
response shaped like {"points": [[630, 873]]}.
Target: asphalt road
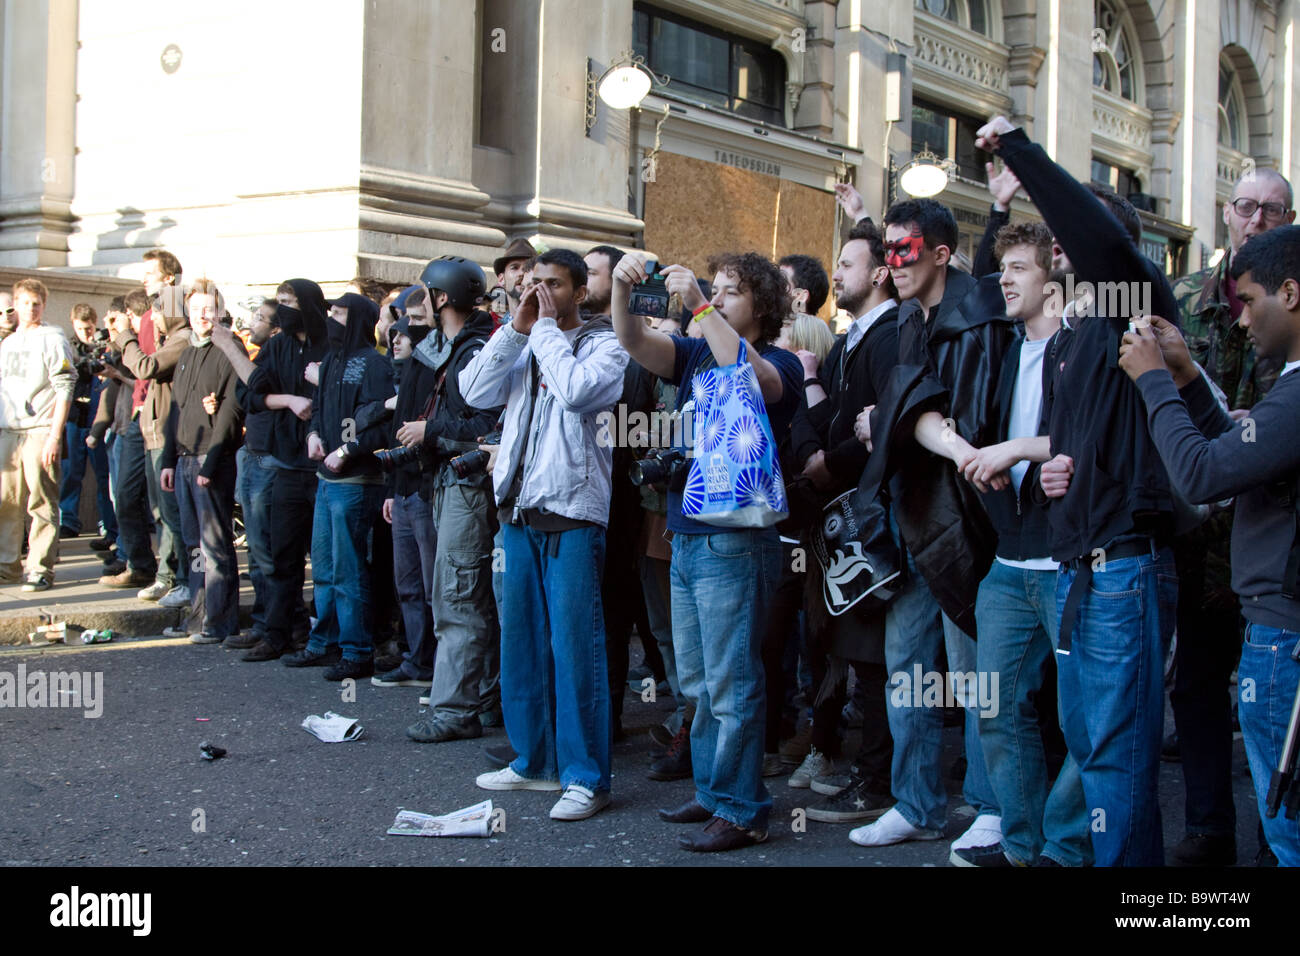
{"points": [[126, 788]]}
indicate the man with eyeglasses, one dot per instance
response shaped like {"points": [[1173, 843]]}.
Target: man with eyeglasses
{"points": [[1209, 621]]}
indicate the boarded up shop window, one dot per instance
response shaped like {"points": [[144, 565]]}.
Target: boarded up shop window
{"points": [[695, 208]]}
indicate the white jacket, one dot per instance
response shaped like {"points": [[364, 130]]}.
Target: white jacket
{"points": [[567, 470], [36, 367]]}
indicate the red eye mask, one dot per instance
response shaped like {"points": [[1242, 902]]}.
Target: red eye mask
{"points": [[903, 252]]}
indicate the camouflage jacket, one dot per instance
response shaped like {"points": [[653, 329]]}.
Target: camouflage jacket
{"points": [[1217, 342]]}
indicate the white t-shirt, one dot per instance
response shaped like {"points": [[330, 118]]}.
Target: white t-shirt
{"points": [[1026, 409]]}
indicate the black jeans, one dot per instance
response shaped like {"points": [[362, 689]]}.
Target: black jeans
{"points": [[1209, 643], [293, 505], [134, 542], [781, 630]]}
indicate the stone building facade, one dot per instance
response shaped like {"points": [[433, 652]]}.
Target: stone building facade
{"points": [[259, 143]]}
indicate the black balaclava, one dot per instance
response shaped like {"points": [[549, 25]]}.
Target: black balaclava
{"points": [[359, 332], [312, 314]]}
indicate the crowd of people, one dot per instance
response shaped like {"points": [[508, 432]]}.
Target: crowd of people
{"points": [[1064, 477]]}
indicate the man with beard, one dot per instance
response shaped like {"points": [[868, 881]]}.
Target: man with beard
{"points": [[453, 332], [348, 500], [853, 376], [277, 384]]}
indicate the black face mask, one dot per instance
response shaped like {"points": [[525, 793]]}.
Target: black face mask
{"points": [[338, 334], [417, 333], [289, 320]]}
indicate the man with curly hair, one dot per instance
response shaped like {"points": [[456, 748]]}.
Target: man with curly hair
{"points": [[722, 579]]}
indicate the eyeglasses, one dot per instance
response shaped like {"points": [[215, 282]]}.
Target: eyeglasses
{"points": [[1247, 208]]}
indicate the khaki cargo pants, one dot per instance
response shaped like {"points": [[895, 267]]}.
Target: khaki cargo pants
{"points": [[27, 489]]}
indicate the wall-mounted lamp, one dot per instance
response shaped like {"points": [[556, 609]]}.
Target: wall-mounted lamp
{"points": [[924, 175], [622, 86]]}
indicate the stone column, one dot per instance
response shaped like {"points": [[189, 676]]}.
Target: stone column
{"points": [[38, 70]]}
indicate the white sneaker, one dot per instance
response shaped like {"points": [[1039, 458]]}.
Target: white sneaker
{"points": [[425, 699], [176, 632], [578, 803], [890, 829], [153, 592], [985, 831], [814, 765], [178, 596], [507, 779]]}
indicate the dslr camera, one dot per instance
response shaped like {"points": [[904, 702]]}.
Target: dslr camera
{"points": [[92, 358], [392, 459], [474, 462], [666, 467]]}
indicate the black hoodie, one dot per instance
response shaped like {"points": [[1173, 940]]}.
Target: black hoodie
{"points": [[455, 420], [279, 368], [352, 376]]}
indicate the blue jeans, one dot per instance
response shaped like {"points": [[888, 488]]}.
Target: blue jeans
{"points": [[917, 636], [344, 515], [133, 492], [74, 473], [554, 687], [1018, 623], [1266, 680], [253, 492], [206, 521], [1111, 689], [722, 584], [415, 544]]}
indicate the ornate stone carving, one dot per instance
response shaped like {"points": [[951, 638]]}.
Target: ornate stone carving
{"points": [[961, 61]]}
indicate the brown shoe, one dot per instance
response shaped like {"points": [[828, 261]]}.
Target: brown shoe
{"points": [[720, 835], [688, 812], [126, 579]]}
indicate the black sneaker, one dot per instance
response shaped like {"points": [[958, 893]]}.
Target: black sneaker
{"points": [[242, 642], [346, 669], [399, 678], [990, 857], [500, 755], [262, 651], [100, 544], [66, 532], [37, 582], [1208, 849], [113, 565], [676, 763], [1169, 749], [305, 658], [437, 730], [852, 804]]}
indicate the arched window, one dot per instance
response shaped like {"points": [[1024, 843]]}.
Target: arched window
{"points": [[971, 14], [1116, 63], [1232, 107]]}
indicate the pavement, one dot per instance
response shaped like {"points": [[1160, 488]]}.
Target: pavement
{"points": [[128, 787], [78, 599]]}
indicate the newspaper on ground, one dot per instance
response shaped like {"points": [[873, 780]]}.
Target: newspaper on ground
{"points": [[475, 821], [332, 728]]}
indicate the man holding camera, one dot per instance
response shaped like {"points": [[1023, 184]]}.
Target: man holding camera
{"points": [[1211, 457], [36, 386], [447, 332], [722, 579], [90, 349], [556, 374]]}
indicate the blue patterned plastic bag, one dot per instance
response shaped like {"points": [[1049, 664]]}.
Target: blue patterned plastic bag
{"points": [[735, 478]]}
